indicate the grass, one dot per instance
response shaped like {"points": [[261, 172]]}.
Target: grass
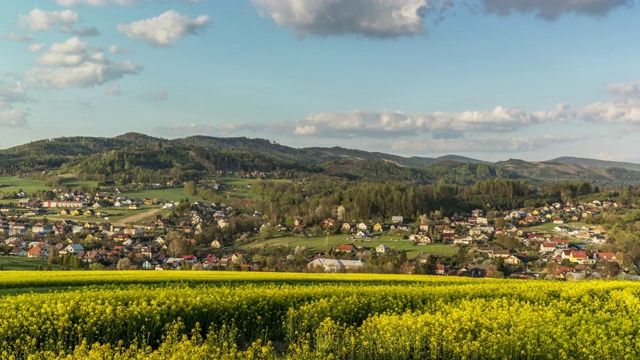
{"points": [[71, 181], [24, 263], [16, 184], [168, 194], [324, 243]]}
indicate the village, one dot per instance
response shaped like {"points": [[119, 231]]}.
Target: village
{"points": [[542, 242]]}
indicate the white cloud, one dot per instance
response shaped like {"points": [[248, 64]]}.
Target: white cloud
{"points": [[625, 89], [36, 47], [96, 2], [615, 111], [72, 52], [386, 123], [74, 64], [165, 29], [70, 3], [484, 144], [13, 36], [11, 93], [85, 75], [160, 95], [553, 9], [45, 20], [378, 19], [624, 108], [55, 20], [13, 118], [228, 129]]}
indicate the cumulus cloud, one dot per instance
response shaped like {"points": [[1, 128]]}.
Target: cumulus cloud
{"points": [[624, 108], [74, 64], [385, 123], [36, 47], [615, 111], [484, 144], [45, 20], [165, 29], [377, 19], [625, 89], [38, 19], [553, 9], [228, 129], [13, 36], [72, 52]]}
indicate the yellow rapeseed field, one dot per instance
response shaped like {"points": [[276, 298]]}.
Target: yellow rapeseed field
{"points": [[245, 315]]}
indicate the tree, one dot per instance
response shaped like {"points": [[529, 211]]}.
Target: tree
{"points": [[124, 264], [178, 248]]}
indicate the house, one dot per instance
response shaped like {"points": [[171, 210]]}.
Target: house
{"points": [[397, 219], [335, 265], [363, 227], [547, 247], [377, 227], [420, 239], [37, 253], [558, 221], [92, 256], [17, 251], [578, 256], [160, 240], [441, 269], [216, 244], [346, 227], [512, 260], [608, 256], [360, 235], [72, 249], [382, 249], [501, 254], [134, 232], [147, 265], [346, 248]]}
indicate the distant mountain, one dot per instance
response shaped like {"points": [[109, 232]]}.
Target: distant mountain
{"points": [[461, 159], [600, 164], [135, 157]]}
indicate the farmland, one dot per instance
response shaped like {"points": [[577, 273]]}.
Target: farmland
{"points": [[323, 243], [247, 315]]}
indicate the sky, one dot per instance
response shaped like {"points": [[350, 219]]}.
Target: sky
{"points": [[489, 79]]}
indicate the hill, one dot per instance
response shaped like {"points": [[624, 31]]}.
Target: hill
{"points": [[600, 164], [134, 157]]}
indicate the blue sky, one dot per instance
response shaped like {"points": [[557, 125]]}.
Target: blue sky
{"points": [[490, 79]]}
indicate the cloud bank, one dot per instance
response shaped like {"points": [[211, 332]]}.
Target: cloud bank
{"points": [[376, 19], [553, 9]]}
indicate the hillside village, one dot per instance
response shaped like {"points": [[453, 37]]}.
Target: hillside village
{"points": [[206, 236]]}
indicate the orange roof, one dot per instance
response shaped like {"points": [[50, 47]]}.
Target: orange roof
{"points": [[579, 254]]}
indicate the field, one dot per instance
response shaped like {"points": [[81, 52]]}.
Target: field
{"points": [[324, 243], [245, 315], [23, 263], [168, 194], [16, 184]]}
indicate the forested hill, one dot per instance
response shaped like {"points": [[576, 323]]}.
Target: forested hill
{"points": [[142, 158]]}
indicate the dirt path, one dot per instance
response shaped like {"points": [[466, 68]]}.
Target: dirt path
{"points": [[137, 217]]}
